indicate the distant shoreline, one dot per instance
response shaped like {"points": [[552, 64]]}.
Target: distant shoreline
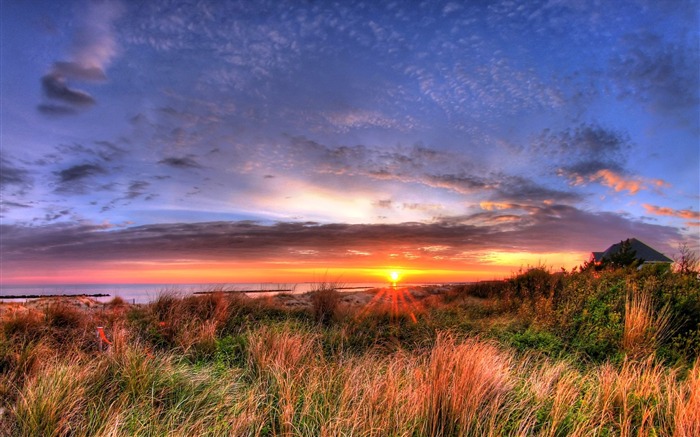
{"points": [[38, 296]]}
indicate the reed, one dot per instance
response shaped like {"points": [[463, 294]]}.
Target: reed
{"points": [[644, 328]]}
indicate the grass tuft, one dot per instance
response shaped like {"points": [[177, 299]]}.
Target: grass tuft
{"points": [[324, 302], [644, 329]]}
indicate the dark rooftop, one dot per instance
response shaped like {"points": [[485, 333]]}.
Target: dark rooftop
{"points": [[642, 252]]}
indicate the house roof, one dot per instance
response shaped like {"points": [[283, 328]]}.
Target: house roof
{"points": [[642, 252]]}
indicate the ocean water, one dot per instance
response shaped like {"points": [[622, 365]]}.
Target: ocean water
{"points": [[144, 293]]}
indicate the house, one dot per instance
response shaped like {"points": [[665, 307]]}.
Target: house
{"points": [[633, 249]]}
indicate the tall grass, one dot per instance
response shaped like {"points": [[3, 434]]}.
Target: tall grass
{"points": [[644, 328], [224, 365], [457, 388], [324, 302]]}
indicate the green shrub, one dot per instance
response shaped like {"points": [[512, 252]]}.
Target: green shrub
{"points": [[597, 330], [534, 339]]}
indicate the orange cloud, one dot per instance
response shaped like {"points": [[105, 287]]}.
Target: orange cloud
{"points": [[492, 206], [619, 183], [611, 179], [680, 213]]}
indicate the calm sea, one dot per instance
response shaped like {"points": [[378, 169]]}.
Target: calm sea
{"points": [[144, 293]]}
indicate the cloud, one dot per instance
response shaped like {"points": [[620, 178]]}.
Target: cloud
{"points": [[136, 189], [108, 151], [182, 162], [616, 181], [495, 206], [521, 189], [12, 175], [79, 71], [55, 87], [55, 110], [464, 184], [74, 179], [344, 121], [6, 206], [416, 165], [688, 214], [384, 203], [586, 142], [78, 172], [54, 213], [15, 204], [592, 153], [104, 151], [94, 43], [451, 7], [578, 172], [93, 48], [619, 182], [658, 73], [540, 230]]}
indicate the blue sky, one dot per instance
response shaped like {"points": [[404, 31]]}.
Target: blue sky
{"points": [[456, 134]]}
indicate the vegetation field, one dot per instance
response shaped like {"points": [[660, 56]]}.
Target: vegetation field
{"points": [[605, 353]]}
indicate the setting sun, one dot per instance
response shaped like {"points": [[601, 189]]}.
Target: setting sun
{"points": [[394, 276]]}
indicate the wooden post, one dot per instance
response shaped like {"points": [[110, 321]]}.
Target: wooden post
{"points": [[99, 339]]}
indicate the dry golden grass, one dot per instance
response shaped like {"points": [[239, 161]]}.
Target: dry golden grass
{"points": [[289, 387], [685, 399], [459, 381], [168, 371], [643, 328]]}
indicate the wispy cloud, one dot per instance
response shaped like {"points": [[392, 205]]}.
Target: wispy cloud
{"points": [[137, 189], [658, 73], [344, 121], [78, 172], [688, 214], [184, 162], [74, 179], [55, 110], [11, 175], [619, 183], [592, 153], [585, 149], [93, 48]]}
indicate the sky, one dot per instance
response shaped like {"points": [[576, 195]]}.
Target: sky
{"points": [[237, 141]]}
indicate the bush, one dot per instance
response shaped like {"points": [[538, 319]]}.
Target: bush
{"points": [[535, 283], [485, 289], [534, 339]]}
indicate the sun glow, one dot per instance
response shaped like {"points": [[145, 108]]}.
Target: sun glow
{"points": [[394, 276]]}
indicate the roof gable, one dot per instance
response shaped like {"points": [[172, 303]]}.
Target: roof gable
{"points": [[642, 252]]}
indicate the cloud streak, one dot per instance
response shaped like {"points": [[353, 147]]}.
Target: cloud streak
{"points": [[11, 175], [185, 162], [546, 230], [693, 217], [74, 179]]}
